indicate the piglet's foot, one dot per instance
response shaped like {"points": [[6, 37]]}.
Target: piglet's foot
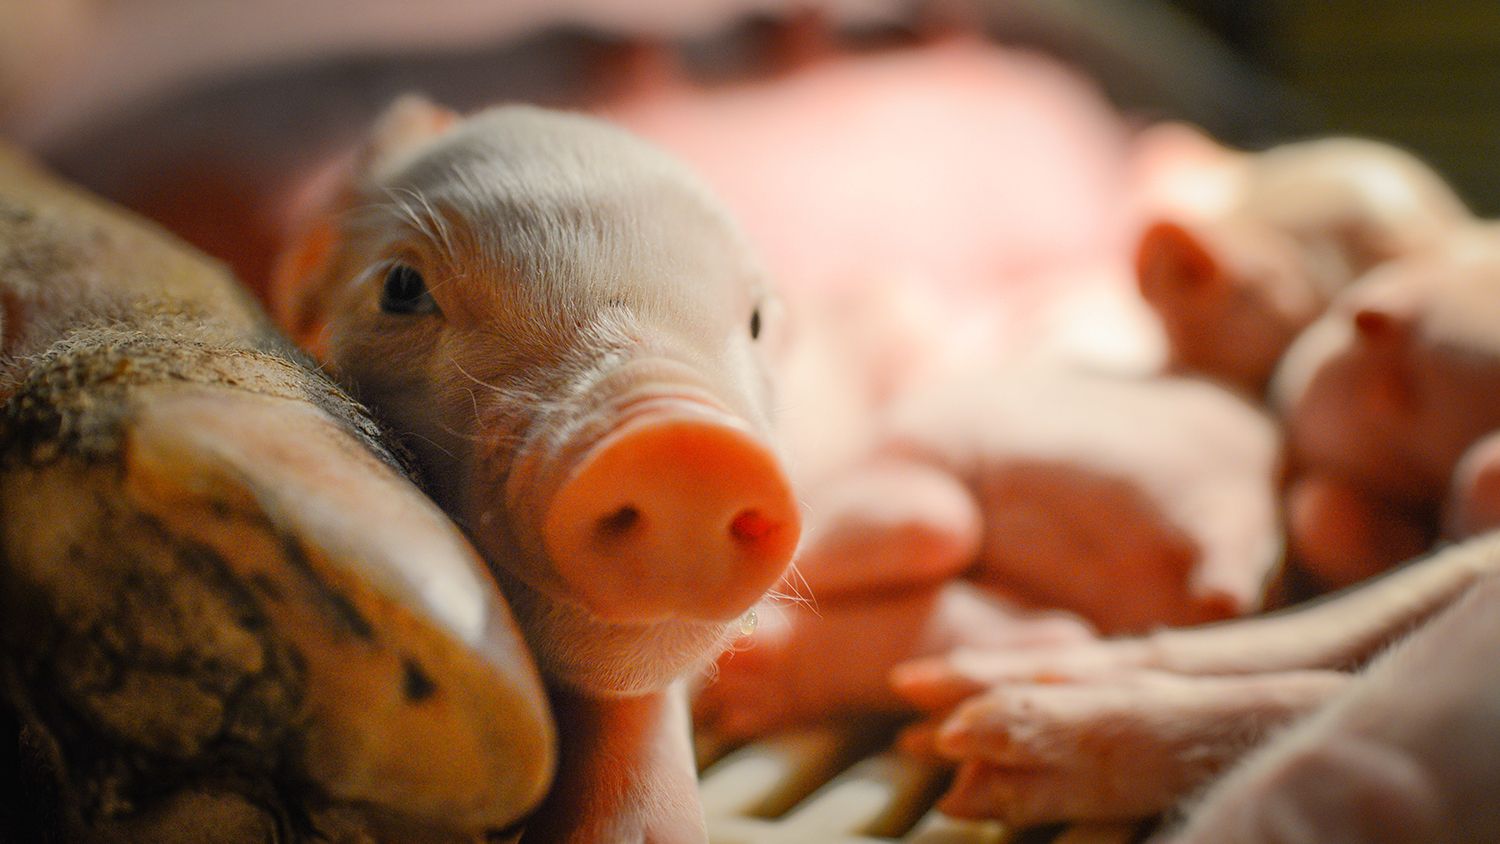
{"points": [[1112, 750], [805, 663], [940, 682]]}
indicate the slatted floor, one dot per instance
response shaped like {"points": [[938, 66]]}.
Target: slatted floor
{"points": [[844, 785]]}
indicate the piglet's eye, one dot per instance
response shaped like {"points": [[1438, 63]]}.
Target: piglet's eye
{"points": [[405, 292], [755, 324]]}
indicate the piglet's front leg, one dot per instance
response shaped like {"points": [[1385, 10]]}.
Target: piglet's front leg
{"points": [[1110, 750], [1342, 630], [625, 772], [1125, 727]]}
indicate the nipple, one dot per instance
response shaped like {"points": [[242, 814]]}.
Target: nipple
{"points": [[748, 622]]}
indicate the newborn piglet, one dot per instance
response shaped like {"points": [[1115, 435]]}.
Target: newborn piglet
{"points": [[225, 614], [1381, 399], [1236, 281], [1014, 510], [566, 329]]}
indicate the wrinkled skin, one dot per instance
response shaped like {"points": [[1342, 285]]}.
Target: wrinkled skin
{"points": [[1381, 398], [1235, 278], [1123, 728], [227, 615], [565, 328], [1113, 504]]}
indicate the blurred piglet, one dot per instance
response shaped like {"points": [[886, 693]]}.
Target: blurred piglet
{"points": [[225, 614], [1237, 272], [566, 328], [1067, 502], [1392, 403], [1382, 397]]}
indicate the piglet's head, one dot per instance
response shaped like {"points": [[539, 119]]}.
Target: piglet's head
{"points": [[1231, 295], [567, 330], [1402, 375]]}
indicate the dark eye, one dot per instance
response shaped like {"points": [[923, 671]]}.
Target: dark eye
{"points": [[755, 324], [405, 292]]}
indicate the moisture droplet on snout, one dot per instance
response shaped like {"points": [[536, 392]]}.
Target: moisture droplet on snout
{"points": [[747, 622]]}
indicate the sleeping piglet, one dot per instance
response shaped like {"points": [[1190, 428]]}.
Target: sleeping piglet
{"points": [[1382, 398], [566, 329], [1233, 285]]}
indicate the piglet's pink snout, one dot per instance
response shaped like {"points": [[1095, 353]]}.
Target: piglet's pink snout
{"points": [[681, 511]]}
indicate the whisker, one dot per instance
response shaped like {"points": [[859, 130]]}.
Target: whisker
{"points": [[460, 367]]}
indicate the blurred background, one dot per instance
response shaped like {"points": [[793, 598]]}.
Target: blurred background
{"points": [[208, 114]]}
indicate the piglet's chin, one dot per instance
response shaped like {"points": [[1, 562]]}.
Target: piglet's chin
{"points": [[576, 649]]}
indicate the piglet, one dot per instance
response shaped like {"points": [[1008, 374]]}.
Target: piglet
{"points": [[1015, 509], [565, 327], [1235, 278], [1381, 398], [225, 614]]}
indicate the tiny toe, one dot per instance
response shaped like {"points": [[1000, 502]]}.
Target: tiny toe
{"points": [[932, 684], [919, 739]]}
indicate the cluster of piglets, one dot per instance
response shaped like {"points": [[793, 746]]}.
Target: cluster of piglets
{"points": [[1344, 278], [1002, 520]]}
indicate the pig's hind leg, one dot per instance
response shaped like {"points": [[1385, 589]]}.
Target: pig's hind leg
{"points": [[1411, 753], [1112, 750]]}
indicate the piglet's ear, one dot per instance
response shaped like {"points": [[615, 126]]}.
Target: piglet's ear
{"points": [[1173, 261], [300, 285], [408, 124], [1384, 316]]}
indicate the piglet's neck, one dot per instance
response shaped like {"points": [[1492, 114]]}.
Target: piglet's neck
{"points": [[625, 772]]}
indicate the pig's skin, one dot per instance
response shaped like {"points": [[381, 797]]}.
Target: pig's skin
{"points": [[1474, 502], [1253, 674], [581, 380], [804, 663], [213, 567], [1134, 502], [1381, 397], [1128, 503], [1410, 753], [1234, 285]]}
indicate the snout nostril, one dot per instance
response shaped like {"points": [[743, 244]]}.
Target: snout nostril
{"points": [[750, 526], [617, 524]]}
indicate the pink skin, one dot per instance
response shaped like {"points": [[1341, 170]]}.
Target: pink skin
{"points": [[1229, 298], [1116, 749], [1235, 281], [805, 662], [1406, 754], [579, 375], [1154, 506], [1474, 502], [1035, 730], [1381, 398], [1161, 510]]}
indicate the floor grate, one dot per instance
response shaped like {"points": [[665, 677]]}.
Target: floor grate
{"points": [[843, 784]]}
